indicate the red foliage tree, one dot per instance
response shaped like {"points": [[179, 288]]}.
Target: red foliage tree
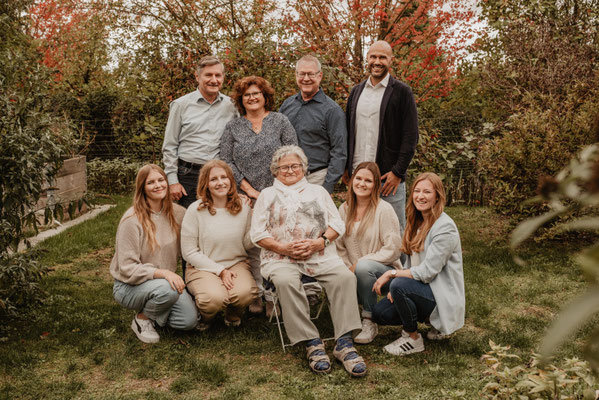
{"points": [[73, 38], [428, 38]]}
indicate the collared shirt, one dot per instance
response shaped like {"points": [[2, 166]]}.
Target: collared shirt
{"points": [[321, 133], [194, 129], [367, 121]]}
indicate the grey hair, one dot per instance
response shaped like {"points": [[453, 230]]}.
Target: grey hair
{"points": [[207, 61], [308, 58], [286, 151]]}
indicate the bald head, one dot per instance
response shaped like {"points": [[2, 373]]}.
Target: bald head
{"points": [[380, 56], [381, 46]]}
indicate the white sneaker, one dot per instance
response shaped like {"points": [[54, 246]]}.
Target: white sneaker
{"points": [[369, 332], [405, 345], [144, 329], [434, 334]]}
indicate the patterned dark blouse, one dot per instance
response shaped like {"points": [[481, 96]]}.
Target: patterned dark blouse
{"points": [[249, 153]]}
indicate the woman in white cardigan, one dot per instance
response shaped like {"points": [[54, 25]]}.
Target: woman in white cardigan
{"points": [[214, 241], [432, 285], [372, 240]]}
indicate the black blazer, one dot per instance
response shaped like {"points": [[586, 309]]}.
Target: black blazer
{"points": [[398, 128]]}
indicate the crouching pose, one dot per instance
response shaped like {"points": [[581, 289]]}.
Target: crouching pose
{"points": [[145, 259], [295, 222], [214, 240], [432, 285], [372, 240]]}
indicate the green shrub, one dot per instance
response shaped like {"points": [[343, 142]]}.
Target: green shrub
{"points": [[19, 277], [537, 142], [454, 160], [32, 145], [508, 378], [112, 176]]}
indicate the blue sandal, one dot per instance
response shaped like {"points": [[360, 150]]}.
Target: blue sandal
{"points": [[317, 357]]}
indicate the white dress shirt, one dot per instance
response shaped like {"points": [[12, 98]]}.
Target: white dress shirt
{"points": [[368, 113]]}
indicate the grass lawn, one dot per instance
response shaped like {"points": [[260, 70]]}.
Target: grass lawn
{"points": [[78, 343]]}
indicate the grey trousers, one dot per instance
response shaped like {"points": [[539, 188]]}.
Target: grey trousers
{"points": [[159, 302], [340, 286]]}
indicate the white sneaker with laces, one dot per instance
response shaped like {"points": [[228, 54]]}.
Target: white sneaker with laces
{"points": [[369, 332], [434, 334], [144, 329], [405, 345]]}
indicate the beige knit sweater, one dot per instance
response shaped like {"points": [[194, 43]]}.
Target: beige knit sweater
{"points": [[381, 242], [214, 242], [133, 262]]}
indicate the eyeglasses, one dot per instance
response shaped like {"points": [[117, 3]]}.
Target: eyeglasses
{"points": [[292, 167], [250, 95], [310, 75]]}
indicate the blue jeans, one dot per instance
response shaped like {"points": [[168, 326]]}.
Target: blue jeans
{"points": [[413, 302], [157, 300], [398, 201], [367, 272]]}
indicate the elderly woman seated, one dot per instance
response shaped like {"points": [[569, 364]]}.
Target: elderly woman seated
{"points": [[294, 222]]}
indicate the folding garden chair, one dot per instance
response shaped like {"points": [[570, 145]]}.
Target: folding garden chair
{"points": [[307, 282]]}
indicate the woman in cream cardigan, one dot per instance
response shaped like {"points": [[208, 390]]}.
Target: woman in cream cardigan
{"points": [[432, 284], [371, 244], [214, 241]]}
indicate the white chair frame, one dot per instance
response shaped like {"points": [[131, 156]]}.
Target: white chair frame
{"points": [[279, 321]]}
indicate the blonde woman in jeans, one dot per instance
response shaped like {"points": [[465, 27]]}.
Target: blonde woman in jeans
{"points": [[372, 240], [214, 241], [145, 259]]}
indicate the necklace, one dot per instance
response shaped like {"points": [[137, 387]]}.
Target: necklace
{"points": [[256, 122]]}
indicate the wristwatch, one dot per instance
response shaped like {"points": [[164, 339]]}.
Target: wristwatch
{"points": [[326, 240]]}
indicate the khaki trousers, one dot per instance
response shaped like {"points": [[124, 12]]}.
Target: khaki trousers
{"points": [[211, 296], [340, 286]]}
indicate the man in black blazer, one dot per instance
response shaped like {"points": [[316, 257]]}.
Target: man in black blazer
{"points": [[382, 122]]}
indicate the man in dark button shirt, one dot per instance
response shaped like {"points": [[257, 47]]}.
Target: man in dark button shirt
{"points": [[319, 123]]}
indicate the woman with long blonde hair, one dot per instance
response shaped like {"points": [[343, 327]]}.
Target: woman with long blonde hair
{"points": [[372, 240], [214, 241], [145, 259], [432, 284]]}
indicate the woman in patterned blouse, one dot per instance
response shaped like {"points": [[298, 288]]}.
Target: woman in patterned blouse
{"points": [[249, 141]]}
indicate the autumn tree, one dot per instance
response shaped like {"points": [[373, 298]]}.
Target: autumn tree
{"points": [[428, 38], [73, 38]]}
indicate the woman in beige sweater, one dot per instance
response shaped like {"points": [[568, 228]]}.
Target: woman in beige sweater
{"points": [[372, 240], [214, 241], [145, 259]]}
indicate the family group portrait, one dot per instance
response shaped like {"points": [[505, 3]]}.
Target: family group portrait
{"points": [[300, 199]]}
